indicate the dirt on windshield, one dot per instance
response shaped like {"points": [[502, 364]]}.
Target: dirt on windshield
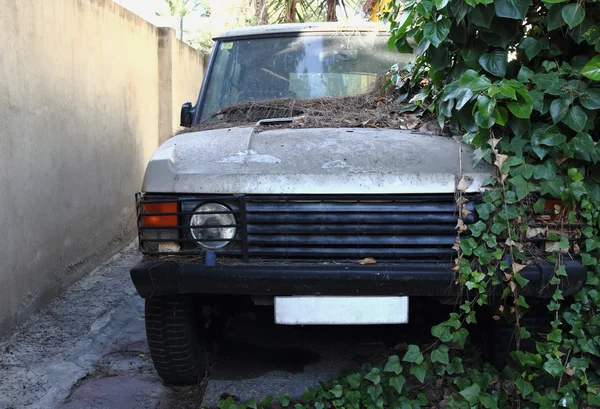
{"points": [[375, 109]]}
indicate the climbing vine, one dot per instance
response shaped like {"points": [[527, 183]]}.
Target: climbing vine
{"points": [[519, 81]]}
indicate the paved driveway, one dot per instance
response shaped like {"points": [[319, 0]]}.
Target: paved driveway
{"points": [[88, 350]]}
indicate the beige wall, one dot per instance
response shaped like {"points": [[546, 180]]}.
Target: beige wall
{"points": [[181, 73], [79, 118]]}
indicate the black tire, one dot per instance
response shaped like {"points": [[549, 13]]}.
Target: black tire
{"points": [[176, 350]]}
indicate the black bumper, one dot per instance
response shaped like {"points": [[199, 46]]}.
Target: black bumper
{"points": [[158, 278]]}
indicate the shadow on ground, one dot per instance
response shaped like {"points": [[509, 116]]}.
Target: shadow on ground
{"points": [[255, 359]]}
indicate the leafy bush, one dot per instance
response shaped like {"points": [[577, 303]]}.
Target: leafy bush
{"points": [[520, 81]]}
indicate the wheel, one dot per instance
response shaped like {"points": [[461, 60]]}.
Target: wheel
{"points": [[502, 340], [176, 349]]}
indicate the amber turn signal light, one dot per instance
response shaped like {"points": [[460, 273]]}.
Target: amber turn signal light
{"points": [[157, 219]]}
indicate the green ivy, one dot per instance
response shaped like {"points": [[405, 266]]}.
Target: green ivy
{"points": [[520, 81]]}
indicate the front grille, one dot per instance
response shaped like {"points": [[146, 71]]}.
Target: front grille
{"points": [[333, 228], [385, 228]]}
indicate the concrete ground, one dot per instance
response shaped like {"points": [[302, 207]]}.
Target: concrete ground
{"points": [[87, 349]]}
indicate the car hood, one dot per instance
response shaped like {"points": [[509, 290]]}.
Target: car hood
{"points": [[307, 161]]}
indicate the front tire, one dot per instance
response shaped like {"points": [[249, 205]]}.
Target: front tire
{"points": [[176, 350]]}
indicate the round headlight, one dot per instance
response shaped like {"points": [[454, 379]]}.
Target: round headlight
{"points": [[206, 228]]}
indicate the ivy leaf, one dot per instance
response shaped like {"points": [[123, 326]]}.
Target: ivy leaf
{"points": [[559, 109], [531, 46], [352, 397], [477, 228], [501, 33], [460, 10], [554, 19], [590, 99], [482, 15], [482, 122], [309, 395], [471, 53], [250, 404], [546, 171], [413, 354], [393, 365], [354, 380], [464, 98], [439, 58], [440, 4], [474, 81], [588, 260], [521, 186], [513, 9], [425, 8], [553, 366], [442, 332], [267, 402], [460, 337], [471, 394], [285, 399], [501, 116], [374, 391], [583, 145], [549, 65], [576, 119], [525, 74], [573, 14], [524, 387], [552, 187], [556, 335], [495, 62], [590, 348], [581, 363], [592, 35], [486, 105], [455, 366], [508, 91], [484, 210], [374, 376], [440, 354], [538, 100], [525, 170], [523, 107], [487, 401], [552, 137], [522, 281], [419, 371], [336, 391], [397, 382], [540, 206], [436, 32], [592, 69]]}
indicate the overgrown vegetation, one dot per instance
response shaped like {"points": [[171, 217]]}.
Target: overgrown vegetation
{"points": [[521, 81]]}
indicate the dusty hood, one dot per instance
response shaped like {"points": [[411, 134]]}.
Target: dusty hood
{"points": [[341, 160]]}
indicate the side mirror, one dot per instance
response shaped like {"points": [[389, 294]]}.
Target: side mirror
{"points": [[187, 115]]}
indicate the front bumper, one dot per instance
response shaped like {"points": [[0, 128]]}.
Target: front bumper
{"points": [[158, 278]]}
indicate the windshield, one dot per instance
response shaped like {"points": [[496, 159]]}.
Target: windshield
{"points": [[308, 66]]}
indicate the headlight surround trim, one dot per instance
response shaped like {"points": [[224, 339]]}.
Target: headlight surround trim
{"points": [[215, 236]]}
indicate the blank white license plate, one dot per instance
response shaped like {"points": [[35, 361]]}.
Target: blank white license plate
{"points": [[326, 310]]}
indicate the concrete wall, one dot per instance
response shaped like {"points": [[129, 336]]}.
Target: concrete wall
{"points": [[181, 72], [80, 104]]}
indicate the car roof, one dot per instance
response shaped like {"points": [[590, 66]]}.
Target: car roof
{"points": [[293, 28]]}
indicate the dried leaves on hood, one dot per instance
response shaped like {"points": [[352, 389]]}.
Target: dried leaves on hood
{"points": [[375, 109]]}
